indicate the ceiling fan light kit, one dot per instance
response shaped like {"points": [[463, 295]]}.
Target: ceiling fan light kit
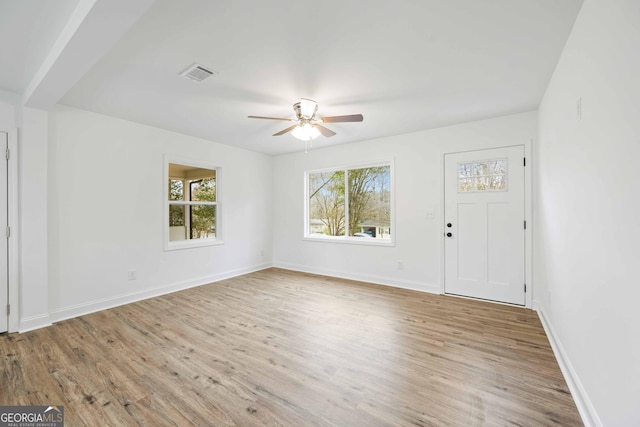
{"points": [[307, 126], [305, 132]]}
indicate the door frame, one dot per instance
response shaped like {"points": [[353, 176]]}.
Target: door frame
{"points": [[528, 246], [14, 239]]}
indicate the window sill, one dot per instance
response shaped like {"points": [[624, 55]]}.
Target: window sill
{"points": [[352, 240], [188, 244]]}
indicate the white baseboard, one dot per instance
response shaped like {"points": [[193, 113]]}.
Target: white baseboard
{"points": [[588, 413], [104, 304], [34, 322], [378, 280]]}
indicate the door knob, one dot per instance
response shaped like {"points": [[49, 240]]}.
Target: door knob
{"points": [[449, 224], [449, 234]]}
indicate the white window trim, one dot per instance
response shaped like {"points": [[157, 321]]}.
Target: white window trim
{"points": [[349, 239], [195, 243]]}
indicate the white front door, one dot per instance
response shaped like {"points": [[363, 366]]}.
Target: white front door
{"points": [[4, 241], [484, 224]]}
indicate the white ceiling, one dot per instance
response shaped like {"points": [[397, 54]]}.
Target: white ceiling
{"points": [[28, 30], [406, 65]]}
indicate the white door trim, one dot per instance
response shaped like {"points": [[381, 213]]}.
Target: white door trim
{"points": [[14, 239], [528, 246]]}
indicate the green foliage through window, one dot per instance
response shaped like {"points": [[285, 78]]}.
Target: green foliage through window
{"points": [[176, 213], [192, 202]]}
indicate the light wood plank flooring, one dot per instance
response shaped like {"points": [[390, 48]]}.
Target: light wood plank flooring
{"points": [[283, 348]]}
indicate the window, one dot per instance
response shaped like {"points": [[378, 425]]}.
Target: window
{"points": [[485, 175], [192, 206], [350, 204]]}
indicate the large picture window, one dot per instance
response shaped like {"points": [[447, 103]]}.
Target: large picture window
{"points": [[192, 205], [351, 204]]}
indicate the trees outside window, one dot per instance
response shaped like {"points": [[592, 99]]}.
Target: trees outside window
{"points": [[203, 217], [350, 203], [192, 205]]}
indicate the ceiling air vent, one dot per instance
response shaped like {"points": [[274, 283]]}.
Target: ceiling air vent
{"points": [[197, 73]]}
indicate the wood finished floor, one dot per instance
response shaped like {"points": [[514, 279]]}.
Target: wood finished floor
{"points": [[282, 348]]}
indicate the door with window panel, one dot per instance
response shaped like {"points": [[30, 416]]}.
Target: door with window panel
{"points": [[484, 224]]}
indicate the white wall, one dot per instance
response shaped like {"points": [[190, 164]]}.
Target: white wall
{"points": [[587, 229], [7, 116], [106, 205], [418, 188], [33, 146]]}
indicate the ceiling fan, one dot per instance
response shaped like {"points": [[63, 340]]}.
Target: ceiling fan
{"points": [[307, 125]]}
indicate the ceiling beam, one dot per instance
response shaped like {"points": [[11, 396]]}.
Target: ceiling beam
{"points": [[93, 28]]}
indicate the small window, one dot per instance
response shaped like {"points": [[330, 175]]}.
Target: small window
{"points": [[350, 204], [484, 175], [192, 205]]}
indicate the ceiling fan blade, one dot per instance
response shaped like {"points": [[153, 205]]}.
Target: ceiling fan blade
{"points": [[349, 118], [270, 118], [283, 131], [325, 132]]}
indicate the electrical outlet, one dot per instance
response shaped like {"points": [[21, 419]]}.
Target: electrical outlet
{"points": [[400, 265], [132, 275], [262, 252]]}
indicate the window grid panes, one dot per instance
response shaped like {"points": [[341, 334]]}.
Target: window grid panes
{"points": [[192, 203], [483, 175]]}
